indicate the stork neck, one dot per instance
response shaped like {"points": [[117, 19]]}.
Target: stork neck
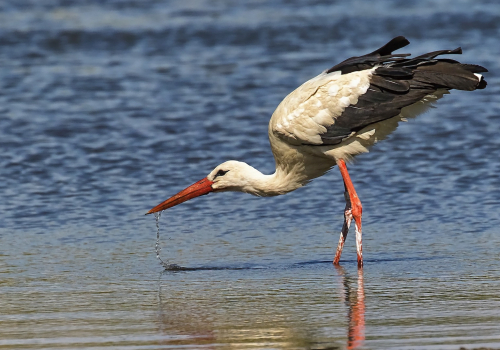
{"points": [[288, 176], [283, 180], [272, 185]]}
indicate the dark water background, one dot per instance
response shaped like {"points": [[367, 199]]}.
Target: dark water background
{"points": [[109, 107]]}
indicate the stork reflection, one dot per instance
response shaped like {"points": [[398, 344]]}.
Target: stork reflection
{"points": [[208, 312], [355, 302]]}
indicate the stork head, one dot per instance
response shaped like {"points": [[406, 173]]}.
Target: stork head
{"points": [[228, 176]]}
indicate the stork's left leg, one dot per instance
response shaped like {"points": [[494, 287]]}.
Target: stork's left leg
{"points": [[356, 209], [345, 227]]}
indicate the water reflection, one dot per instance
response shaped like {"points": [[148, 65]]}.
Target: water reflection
{"points": [[191, 327], [209, 312], [355, 301]]}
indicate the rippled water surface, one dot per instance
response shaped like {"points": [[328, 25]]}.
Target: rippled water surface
{"points": [[109, 107]]}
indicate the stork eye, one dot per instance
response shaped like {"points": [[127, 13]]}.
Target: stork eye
{"points": [[221, 173]]}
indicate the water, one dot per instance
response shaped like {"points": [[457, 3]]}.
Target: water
{"points": [[107, 108]]}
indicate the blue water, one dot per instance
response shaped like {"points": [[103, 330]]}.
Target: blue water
{"points": [[109, 107]]}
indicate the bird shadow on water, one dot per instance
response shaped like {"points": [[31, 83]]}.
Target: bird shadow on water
{"points": [[168, 267]]}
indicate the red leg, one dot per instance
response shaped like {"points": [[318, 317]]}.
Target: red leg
{"points": [[355, 211]]}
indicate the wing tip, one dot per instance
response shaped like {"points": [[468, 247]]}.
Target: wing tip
{"points": [[393, 45]]}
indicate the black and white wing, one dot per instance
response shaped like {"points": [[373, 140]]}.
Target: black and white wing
{"points": [[365, 90]]}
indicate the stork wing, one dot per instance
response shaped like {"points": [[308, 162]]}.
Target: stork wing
{"points": [[368, 89]]}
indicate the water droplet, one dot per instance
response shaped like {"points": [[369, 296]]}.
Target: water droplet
{"points": [[166, 264]]}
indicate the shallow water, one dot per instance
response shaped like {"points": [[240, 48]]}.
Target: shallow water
{"points": [[107, 108]]}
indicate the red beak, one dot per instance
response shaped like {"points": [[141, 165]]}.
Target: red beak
{"points": [[204, 186]]}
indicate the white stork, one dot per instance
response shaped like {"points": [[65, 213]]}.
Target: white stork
{"points": [[337, 115]]}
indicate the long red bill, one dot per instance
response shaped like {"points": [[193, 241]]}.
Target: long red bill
{"points": [[204, 186]]}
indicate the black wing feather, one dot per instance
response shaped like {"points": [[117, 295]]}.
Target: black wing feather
{"points": [[398, 83], [381, 55]]}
